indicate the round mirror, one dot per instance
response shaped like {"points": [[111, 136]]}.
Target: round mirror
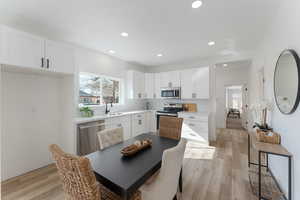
{"points": [[286, 81]]}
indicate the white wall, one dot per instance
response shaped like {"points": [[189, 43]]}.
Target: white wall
{"points": [[94, 62], [236, 74], [33, 117], [283, 33]]}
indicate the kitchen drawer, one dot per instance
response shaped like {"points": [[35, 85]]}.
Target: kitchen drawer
{"points": [[139, 116]]}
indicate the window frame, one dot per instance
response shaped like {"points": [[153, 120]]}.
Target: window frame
{"points": [[121, 89]]}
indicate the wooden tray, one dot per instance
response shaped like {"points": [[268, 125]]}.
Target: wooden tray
{"points": [[133, 149]]}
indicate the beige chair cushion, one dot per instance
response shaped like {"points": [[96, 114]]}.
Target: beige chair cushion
{"points": [[109, 137]]}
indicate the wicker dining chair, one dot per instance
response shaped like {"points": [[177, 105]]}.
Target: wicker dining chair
{"points": [[170, 127], [110, 136], [78, 179]]}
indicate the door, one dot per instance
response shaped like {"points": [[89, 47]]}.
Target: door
{"points": [[60, 57], [22, 49], [245, 107]]}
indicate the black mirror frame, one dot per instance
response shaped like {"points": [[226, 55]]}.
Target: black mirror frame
{"points": [[296, 57]]}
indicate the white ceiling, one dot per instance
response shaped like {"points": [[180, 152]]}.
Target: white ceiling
{"points": [[170, 27]]}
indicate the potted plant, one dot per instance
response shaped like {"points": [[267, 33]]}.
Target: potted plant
{"points": [[86, 112], [260, 115]]}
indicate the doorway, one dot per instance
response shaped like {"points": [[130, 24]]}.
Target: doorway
{"points": [[234, 106]]}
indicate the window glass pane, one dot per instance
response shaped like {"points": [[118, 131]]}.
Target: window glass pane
{"points": [[90, 91], [110, 90], [97, 90]]}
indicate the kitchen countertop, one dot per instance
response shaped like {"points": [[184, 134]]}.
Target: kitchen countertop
{"points": [[80, 120], [194, 113]]}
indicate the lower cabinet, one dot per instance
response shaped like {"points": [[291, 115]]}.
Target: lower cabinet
{"points": [[138, 124], [122, 121], [151, 121], [195, 127]]}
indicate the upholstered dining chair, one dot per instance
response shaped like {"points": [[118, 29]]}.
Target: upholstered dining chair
{"points": [[165, 184], [78, 179], [110, 136], [170, 127]]}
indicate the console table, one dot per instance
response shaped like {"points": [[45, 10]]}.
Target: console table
{"points": [[269, 149]]}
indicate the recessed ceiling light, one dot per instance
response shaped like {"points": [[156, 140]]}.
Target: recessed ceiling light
{"points": [[111, 51], [124, 34], [211, 43], [196, 4], [159, 55], [225, 65]]}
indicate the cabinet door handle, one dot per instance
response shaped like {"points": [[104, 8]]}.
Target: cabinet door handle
{"points": [[140, 122], [48, 63], [192, 117], [191, 124], [42, 62]]}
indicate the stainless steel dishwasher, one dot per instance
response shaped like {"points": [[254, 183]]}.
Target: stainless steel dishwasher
{"points": [[87, 139]]}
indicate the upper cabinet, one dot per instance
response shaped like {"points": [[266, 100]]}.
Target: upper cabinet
{"points": [[195, 83], [136, 84], [170, 79], [59, 57], [157, 93], [22, 49], [26, 50], [149, 86]]}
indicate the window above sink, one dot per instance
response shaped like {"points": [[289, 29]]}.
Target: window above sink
{"points": [[96, 90]]}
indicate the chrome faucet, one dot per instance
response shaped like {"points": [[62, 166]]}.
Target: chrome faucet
{"points": [[106, 107]]}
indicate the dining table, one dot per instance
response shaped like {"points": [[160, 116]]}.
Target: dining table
{"points": [[124, 175]]}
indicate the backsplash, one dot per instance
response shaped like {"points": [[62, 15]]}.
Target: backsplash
{"points": [[150, 104], [129, 105], [158, 104]]}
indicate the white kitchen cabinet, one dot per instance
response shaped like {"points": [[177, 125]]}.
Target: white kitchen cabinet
{"points": [[26, 50], [122, 121], [157, 90], [138, 124], [59, 57], [195, 83], [195, 127], [151, 121], [136, 84], [170, 79], [149, 85], [21, 49]]}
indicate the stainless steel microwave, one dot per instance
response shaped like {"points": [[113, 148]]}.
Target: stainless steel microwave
{"points": [[171, 93]]}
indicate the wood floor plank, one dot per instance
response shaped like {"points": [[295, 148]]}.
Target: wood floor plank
{"points": [[216, 172]]}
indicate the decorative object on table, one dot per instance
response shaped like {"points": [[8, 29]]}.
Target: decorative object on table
{"points": [[268, 137], [86, 112], [260, 115], [136, 147], [286, 81]]}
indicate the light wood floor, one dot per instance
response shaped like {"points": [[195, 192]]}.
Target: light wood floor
{"points": [[218, 172]]}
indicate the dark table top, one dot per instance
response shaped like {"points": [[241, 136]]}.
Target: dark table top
{"points": [[124, 175]]}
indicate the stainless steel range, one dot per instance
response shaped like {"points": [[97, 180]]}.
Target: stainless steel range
{"points": [[170, 109]]}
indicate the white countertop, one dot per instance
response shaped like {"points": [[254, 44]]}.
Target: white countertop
{"points": [[80, 120], [194, 113]]}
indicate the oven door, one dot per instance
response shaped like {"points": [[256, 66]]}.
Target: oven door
{"points": [[158, 115]]}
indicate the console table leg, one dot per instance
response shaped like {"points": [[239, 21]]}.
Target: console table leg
{"points": [[290, 178], [259, 175], [248, 150]]}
